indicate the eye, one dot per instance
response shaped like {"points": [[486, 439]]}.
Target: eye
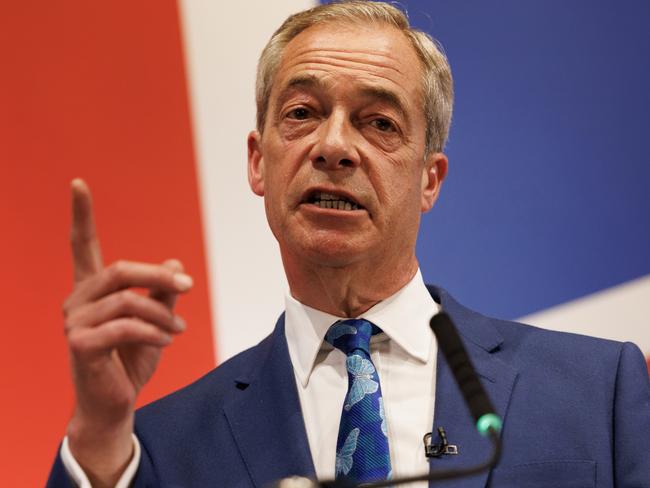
{"points": [[383, 125], [300, 113]]}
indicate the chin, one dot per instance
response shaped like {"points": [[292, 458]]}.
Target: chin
{"points": [[332, 251]]}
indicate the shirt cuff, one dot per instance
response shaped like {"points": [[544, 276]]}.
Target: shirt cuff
{"points": [[77, 474]]}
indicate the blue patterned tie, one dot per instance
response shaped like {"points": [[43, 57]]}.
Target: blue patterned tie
{"points": [[362, 446]]}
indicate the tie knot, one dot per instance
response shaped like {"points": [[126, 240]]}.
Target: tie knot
{"points": [[352, 334]]}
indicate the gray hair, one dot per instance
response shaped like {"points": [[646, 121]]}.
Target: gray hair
{"points": [[437, 84]]}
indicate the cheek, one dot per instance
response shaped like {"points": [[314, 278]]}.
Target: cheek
{"points": [[291, 131], [397, 181], [289, 145], [387, 142], [286, 178]]}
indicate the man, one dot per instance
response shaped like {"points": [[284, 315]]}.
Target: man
{"points": [[353, 113]]}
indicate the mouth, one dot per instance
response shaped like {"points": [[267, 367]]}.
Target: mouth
{"points": [[332, 200]]}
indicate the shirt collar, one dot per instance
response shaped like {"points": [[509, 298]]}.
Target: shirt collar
{"points": [[404, 318]]}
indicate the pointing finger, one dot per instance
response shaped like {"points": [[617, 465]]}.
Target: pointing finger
{"points": [[86, 253]]}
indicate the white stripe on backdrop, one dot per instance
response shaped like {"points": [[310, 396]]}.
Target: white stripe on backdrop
{"points": [[621, 313], [222, 43]]}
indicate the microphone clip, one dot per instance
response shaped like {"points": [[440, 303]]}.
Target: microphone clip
{"points": [[441, 448]]}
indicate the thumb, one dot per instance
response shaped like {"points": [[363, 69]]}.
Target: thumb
{"points": [[165, 297]]}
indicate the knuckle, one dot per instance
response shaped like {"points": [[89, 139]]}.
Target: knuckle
{"points": [[70, 315], [66, 308], [125, 300], [68, 325], [119, 267], [121, 329], [76, 343], [116, 271]]}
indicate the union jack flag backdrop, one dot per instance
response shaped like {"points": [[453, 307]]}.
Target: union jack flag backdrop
{"points": [[544, 214]]}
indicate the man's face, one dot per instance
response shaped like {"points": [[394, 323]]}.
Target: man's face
{"points": [[341, 160]]}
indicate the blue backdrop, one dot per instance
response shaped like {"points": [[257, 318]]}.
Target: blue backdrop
{"points": [[548, 193]]}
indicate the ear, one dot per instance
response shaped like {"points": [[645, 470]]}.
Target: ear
{"points": [[433, 174], [255, 163]]}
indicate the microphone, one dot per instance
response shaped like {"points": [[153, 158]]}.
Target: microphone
{"points": [[488, 423], [465, 375], [441, 448]]}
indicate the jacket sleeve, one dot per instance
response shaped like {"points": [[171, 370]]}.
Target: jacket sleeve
{"points": [[631, 423], [59, 477]]}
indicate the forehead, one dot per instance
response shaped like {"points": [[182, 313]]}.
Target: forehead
{"points": [[353, 56]]}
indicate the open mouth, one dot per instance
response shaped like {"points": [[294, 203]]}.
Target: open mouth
{"points": [[332, 200]]}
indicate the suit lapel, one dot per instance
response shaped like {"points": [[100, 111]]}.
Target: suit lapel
{"points": [[482, 341], [266, 418], [268, 427]]}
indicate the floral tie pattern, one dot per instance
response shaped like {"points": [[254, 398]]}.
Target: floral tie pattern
{"points": [[362, 452]]}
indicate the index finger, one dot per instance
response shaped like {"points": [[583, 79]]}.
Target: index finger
{"points": [[86, 253]]}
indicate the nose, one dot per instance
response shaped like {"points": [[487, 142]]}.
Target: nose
{"points": [[336, 147]]}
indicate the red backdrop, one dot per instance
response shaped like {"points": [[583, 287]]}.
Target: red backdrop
{"points": [[97, 90]]}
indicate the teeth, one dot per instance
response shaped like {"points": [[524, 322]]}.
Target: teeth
{"points": [[336, 204], [328, 200]]}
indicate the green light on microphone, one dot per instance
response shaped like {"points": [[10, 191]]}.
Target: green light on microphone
{"points": [[487, 422]]}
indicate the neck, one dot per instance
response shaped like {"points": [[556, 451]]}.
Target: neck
{"points": [[347, 291]]}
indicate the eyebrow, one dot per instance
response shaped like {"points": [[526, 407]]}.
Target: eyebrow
{"points": [[312, 82], [389, 97], [302, 81]]}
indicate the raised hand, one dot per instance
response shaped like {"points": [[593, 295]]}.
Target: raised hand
{"points": [[115, 337]]}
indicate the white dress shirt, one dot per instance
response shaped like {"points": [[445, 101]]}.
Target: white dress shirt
{"points": [[78, 475], [405, 359]]}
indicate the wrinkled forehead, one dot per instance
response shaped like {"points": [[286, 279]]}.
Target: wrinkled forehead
{"points": [[375, 55]]}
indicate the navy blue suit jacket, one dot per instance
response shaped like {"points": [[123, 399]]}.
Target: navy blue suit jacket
{"points": [[576, 414]]}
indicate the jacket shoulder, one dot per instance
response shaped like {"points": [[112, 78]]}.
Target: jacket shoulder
{"points": [[526, 345]]}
